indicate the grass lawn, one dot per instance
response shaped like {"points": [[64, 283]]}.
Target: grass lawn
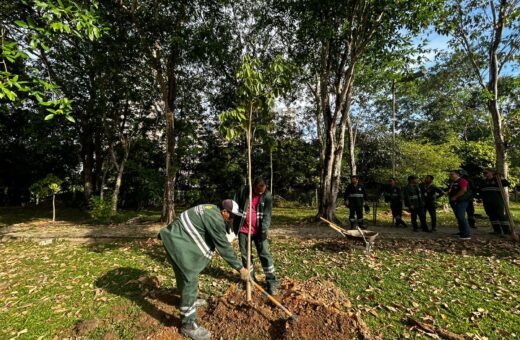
{"points": [[468, 288]]}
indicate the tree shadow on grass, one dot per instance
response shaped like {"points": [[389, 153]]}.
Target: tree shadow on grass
{"points": [[137, 286]]}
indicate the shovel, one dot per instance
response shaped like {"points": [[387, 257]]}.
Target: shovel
{"points": [[273, 300]]}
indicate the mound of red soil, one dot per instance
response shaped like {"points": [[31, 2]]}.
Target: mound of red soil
{"points": [[317, 305]]}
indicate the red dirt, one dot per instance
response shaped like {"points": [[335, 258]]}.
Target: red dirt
{"points": [[315, 303]]}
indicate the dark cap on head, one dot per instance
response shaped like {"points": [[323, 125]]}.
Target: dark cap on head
{"points": [[230, 206]]}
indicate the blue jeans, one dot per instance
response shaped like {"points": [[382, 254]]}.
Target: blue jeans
{"points": [[459, 208]]}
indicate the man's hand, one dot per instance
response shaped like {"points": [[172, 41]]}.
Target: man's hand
{"points": [[367, 208], [244, 274], [453, 199], [263, 236]]}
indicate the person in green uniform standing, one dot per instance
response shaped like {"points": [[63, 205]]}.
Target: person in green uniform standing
{"points": [[355, 199], [190, 241], [431, 192], [414, 200], [493, 202], [262, 207], [393, 196]]}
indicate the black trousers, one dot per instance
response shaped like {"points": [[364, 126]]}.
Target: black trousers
{"points": [[431, 208], [355, 211], [422, 218], [397, 212], [471, 213]]}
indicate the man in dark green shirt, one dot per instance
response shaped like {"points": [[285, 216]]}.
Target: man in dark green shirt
{"points": [[189, 242], [431, 192], [414, 200]]}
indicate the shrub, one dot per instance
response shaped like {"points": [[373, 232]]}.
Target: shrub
{"points": [[100, 209]]}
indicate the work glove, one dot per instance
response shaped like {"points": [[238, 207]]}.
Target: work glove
{"points": [[263, 236], [244, 274], [367, 208]]}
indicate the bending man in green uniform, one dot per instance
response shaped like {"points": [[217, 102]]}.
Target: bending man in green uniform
{"points": [[262, 207], [189, 242]]}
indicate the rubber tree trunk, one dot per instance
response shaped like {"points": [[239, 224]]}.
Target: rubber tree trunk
{"points": [[496, 116], [272, 172], [117, 185], [334, 142], [169, 180]]}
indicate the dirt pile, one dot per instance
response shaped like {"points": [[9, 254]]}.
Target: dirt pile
{"points": [[317, 305]]}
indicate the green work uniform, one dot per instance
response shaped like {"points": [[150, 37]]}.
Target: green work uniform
{"points": [[190, 241], [494, 204], [414, 200], [263, 222]]}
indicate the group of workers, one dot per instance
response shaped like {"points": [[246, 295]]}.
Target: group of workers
{"points": [[191, 239], [421, 199]]}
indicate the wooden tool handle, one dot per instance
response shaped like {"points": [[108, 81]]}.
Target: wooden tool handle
{"points": [[273, 300]]}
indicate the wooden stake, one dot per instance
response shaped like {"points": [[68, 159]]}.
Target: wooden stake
{"points": [[249, 172]]}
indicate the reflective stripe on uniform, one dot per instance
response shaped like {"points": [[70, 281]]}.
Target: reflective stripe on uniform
{"points": [[355, 195], [269, 270], [490, 189], [185, 220], [413, 196]]}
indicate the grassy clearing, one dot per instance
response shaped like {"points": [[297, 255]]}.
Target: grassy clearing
{"points": [[471, 288], [468, 288]]}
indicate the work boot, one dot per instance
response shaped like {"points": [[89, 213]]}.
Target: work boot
{"points": [[272, 289], [194, 331], [506, 230]]}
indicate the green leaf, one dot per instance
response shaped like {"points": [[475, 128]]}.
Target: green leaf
{"points": [[21, 23], [70, 118], [49, 116]]}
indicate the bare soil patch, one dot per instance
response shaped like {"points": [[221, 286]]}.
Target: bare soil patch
{"points": [[323, 313]]}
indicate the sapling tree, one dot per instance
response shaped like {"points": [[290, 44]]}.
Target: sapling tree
{"points": [[46, 187], [259, 85]]}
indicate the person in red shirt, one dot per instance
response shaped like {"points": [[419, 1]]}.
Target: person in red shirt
{"points": [[460, 194], [260, 221]]}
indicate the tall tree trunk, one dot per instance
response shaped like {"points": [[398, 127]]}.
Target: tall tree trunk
{"points": [[271, 166], [335, 144], [119, 180], [88, 165], [169, 180], [351, 146]]}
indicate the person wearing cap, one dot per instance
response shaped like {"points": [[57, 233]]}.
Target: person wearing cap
{"points": [[431, 192], [190, 241], [394, 196], [355, 199], [493, 202], [261, 210], [414, 200], [459, 194]]}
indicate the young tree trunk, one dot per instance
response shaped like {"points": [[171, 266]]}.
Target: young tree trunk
{"points": [[250, 184], [53, 207]]}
